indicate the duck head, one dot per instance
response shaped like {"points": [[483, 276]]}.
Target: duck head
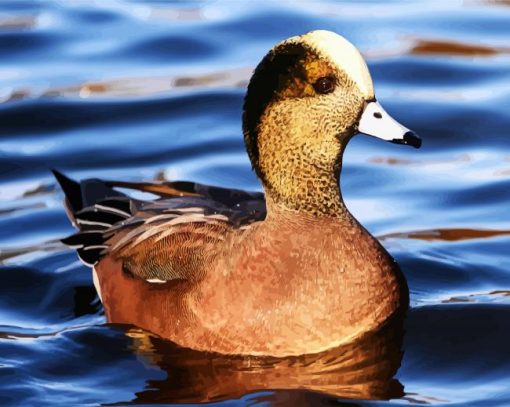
{"points": [[307, 97]]}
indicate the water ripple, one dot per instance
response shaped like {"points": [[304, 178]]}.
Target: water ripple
{"points": [[153, 90]]}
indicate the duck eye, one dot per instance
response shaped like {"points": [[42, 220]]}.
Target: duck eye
{"points": [[324, 85]]}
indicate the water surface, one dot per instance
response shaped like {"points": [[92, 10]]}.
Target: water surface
{"points": [[153, 90]]}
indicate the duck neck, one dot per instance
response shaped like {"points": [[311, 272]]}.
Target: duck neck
{"points": [[310, 189]]}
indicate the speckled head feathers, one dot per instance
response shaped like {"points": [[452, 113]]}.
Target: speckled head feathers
{"points": [[343, 55], [303, 101]]}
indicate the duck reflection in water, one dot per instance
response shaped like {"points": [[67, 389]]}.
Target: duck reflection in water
{"points": [[363, 369]]}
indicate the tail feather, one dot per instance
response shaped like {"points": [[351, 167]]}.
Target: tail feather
{"points": [[91, 255], [119, 206], [72, 191], [97, 216], [84, 238], [93, 208]]}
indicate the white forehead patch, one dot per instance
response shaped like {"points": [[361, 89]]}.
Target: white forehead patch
{"points": [[344, 55]]}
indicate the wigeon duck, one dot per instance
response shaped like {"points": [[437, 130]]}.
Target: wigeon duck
{"points": [[286, 272]]}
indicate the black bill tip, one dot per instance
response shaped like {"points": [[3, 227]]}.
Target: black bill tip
{"points": [[410, 138]]}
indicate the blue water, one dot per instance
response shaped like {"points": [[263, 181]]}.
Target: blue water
{"points": [[153, 90]]}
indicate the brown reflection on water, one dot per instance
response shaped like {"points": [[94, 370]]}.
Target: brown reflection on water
{"points": [[442, 163], [463, 158], [147, 86], [504, 293], [410, 45], [17, 22], [364, 369], [139, 86], [489, 2], [446, 235], [497, 296], [444, 47]]}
